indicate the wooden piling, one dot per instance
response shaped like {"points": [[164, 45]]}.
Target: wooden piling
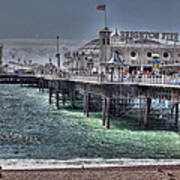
{"points": [[57, 100], [146, 112], [63, 99], [42, 86], [87, 105], [149, 101], [177, 114], [73, 99], [104, 108], [50, 95], [108, 111], [39, 85], [140, 111]]}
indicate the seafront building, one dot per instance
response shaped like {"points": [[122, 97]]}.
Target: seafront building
{"points": [[135, 51]]}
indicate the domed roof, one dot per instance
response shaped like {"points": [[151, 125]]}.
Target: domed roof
{"points": [[94, 44]]}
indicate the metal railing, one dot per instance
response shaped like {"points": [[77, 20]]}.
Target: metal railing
{"points": [[90, 78], [146, 79], [104, 78]]}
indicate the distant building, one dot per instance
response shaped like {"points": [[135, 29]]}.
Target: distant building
{"points": [[134, 50]]}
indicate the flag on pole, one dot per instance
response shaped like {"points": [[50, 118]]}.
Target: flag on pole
{"points": [[101, 7]]}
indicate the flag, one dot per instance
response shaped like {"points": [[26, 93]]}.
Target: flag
{"points": [[101, 7]]}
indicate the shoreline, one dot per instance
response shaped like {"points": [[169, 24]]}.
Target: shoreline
{"points": [[35, 164]]}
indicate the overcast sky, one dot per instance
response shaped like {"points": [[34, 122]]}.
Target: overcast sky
{"points": [[79, 20]]}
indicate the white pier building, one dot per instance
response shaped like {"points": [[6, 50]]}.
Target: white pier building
{"points": [[134, 50]]}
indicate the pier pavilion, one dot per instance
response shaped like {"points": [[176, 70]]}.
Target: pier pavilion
{"points": [[135, 49]]}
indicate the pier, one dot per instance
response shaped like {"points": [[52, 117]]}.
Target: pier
{"points": [[96, 75], [114, 97]]}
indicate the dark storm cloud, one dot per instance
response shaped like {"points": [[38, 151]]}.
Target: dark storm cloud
{"points": [[79, 19]]}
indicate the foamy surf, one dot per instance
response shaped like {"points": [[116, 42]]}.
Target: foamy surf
{"points": [[81, 163]]}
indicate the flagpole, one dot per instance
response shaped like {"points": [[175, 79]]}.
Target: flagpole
{"points": [[103, 8], [105, 18]]}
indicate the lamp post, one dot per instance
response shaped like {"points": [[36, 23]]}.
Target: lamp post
{"points": [[58, 54]]}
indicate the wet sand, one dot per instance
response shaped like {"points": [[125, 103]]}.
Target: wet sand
{"points": [[166, 172]]}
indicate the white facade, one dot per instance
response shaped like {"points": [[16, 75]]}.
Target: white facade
{"points": [[134, 53]]}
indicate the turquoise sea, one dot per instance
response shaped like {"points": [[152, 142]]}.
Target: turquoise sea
{"points": [[30, 128]]}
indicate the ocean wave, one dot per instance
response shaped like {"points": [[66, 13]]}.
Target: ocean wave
{"points": [[18, 138], [9, 106]]}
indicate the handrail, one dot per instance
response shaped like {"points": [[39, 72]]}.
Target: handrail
{"points": [[101, 78], [146, 79]]}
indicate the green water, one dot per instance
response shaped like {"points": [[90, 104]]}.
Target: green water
{"points": [[31, 128]]}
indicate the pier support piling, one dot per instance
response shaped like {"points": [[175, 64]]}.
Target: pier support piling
{"points": [[63, 99], [39, 85], [108, 112], [73, 99], [177, 114], [140, 111], [149, 100], [42, 86], [104, 108], [50, 95], [57, 100], [86, 104], [146, 108]]}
